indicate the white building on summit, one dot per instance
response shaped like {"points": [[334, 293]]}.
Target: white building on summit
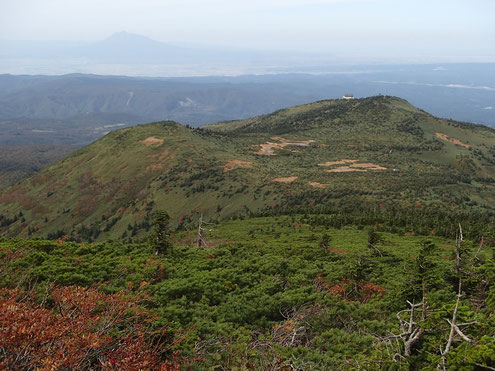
{"points": [[348, 96]]}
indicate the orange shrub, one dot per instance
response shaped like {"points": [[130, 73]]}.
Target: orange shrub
{"points": [[80, 328]]}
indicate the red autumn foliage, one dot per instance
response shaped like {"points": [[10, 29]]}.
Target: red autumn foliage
{"points": [[80, 328], [62, 239], [348, 290], [338, 251]]}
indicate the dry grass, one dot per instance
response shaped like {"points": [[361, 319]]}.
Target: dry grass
{"points": [[162, 156], [152, 141], [158, 160], [368, 166], [351, 165], [154, 167], [340, 162], [288, 179], [338, 251], [317, 185], [235, 164]]}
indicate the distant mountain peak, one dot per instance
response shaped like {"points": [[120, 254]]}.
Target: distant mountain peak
{"points": [[127, 46], [124, 37]]}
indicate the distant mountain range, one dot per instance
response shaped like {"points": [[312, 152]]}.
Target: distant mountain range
{"points": [[197, 101], [192, 102]]}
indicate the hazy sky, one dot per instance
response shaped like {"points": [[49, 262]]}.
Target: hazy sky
{"points": [[430, 27]]}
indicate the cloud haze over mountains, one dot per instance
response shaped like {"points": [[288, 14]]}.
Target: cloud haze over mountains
{"points": [[350, 28], [221, 37]]}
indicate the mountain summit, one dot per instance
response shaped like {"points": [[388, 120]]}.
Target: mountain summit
{"points": [[132, 47]]}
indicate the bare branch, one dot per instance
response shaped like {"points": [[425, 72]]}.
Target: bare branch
{"points": [[412, 334], [460, 333], [485, 366], [482, 242], [376, 249], [454, 328], [200, 238]]}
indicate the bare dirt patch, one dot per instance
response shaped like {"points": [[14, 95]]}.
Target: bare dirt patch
{"points": [[267, 148], [288, 179], [317, 185], [368, 166], [152, 141], [340, 162], [235, 164], [451, 140], [351, 165]]}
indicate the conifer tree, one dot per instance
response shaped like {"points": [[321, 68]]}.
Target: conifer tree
{"points": [[160, 236]]}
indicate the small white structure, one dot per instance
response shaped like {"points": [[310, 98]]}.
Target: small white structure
{"points": [[348, 96]]}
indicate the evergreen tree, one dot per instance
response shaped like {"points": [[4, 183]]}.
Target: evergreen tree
{"points": [[160, 236]]}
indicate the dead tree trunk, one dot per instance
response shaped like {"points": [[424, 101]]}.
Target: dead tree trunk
{"points": [[200, 238], [454, 326], [411, 332]]}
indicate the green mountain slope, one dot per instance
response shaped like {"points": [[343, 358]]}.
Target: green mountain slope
{"points": [[374, 150]]}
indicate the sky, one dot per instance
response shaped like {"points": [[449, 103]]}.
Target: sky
{"points": [[458, 28]]}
